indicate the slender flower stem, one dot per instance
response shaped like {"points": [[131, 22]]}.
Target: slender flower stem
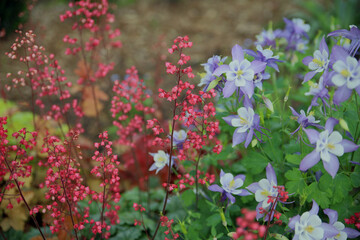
{"points": [[269, 216], [24, 200]]}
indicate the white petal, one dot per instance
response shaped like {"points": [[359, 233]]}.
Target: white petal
{"points": [[338, 150], [317, 233], [226, 179], [339, 226], [238, 183], [235, 122], [234, 66], [325, 155], [335, 137], [339, 66], [351, 62], [314, 220], [338, 80]]}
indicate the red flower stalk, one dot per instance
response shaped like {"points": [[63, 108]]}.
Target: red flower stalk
{"points": [[18, 168], [108, 172], [64, 184]]}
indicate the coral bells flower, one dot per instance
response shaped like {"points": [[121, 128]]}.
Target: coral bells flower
{"points": [[309, 226], [329, 146], [344, 233], [229, 186], [355, 219], [248, 228], [161, 159], [246, 122]]}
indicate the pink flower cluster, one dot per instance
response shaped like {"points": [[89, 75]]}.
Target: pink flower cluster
{"points": [[165, 222], [248, 228], [128, 109], [355, 219]]}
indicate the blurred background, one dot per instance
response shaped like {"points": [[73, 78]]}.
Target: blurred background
{"points": [[148, 26]]}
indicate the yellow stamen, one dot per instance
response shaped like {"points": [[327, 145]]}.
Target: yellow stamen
{"points": [[345, 73], [319, 62], [231, 184], [239, 72], [243, 120], [309, 229], [265, 193], [330, 146]]}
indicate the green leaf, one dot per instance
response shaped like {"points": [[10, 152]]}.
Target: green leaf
{"points": [[188, 197], [355, 179], [255, 162], [296, 183], [293, 158], [342, 187], [314, 193], [127, 232], [213, 84]]}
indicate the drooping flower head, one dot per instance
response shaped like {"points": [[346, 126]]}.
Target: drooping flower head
{"points": [[344, 233], [212, 64], [353, 35], [303, 120], [329, 145], [179, 138], [295, 33], [246, 122], [319, 91], [268, 37], [309, 226], [161, 159], [230, 185]]}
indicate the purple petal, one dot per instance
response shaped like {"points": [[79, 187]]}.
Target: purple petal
{"points": [[258, 66], [358, 90], [309, 160], [332, 214], [253, 187], [351, 233], [221, 69], [338, 53], [293, 220], [222, 173], [231, 197], [342, 32], [248, 88], [315, 208], [342, 94], [294, 112], [228, 119], [330, 123], [244, 192], [309, 76], [323, 46], [332, 166], [250, 52], [249, 137], [229, 89], [349, 146], [247, 102], [241, 176], [258, 214], [307, 60], [238, 137], [329, 230], [215, 188], [237, 53], [270, 174], [312, 135]]}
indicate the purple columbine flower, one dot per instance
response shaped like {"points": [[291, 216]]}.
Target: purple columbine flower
{"points": [[239, 73], [319, 91], [268, 37], [344, 233], [263, 190], [318, 63], [246, 122], [346, 75], [230, 185], [295, 34], [353, 35], [179, 138], [329, 146], [265, 55], [212, 63], [309, 226], [304, 120]]}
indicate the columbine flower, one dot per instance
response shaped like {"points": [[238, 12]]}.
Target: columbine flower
{"points": [[318, 63], [229, 186], [294, 33], [239, 73], [212, 63], [353, 35], [264, 190], [329, 146], [267, 37], [344, 233], [309, 226], [265, 55], [179, 138], [304, 120], [319, 91], [161, 159], [246, 122]]}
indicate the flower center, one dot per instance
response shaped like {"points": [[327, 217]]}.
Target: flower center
{"points": [[161, 160], [243, 121], [265, 193], [319, 62], [231, 184], [239, 72], [330, 146], [309, 229], [345, 73]]}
